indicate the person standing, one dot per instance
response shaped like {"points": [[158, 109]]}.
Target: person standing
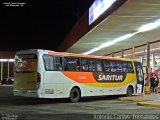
{"points": [[152, 83], [156, 84], [156, 75], [150, 71]]}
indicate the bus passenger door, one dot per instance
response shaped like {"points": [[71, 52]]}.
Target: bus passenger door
{"points": [[140, 77]]}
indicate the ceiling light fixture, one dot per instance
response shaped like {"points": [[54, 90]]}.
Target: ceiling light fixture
{"points": [[149, 26], [6, 60], [110, 43], [143, 28]]}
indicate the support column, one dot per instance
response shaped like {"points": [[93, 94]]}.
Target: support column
{"points": [[1, 70], [133, 51], [8, 69], [148, 64], [153, 61], [122, 55], [113, 54], [148, 55], [142, 59]]}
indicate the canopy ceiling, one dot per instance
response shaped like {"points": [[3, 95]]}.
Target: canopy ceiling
{"points": [[127, 19]]}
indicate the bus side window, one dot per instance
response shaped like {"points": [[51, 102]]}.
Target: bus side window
{"points": [[70, 63], [113, 66], [125, 66], [84, 64], [77, 60], [130, 67], [106, 66], [48, 62], [58, 63], [99, 65], [65, 63], [92, 65], [119, 66]]}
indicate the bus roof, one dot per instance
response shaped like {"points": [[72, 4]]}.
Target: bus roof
{"points": [[87, 56], [50, 52]]}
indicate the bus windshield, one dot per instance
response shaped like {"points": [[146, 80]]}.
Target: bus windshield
{"points": [[25, 63]]}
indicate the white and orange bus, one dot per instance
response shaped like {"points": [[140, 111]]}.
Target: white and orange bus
{"points": [[48, 74]]}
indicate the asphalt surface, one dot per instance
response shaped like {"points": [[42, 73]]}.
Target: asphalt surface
{"points": [[108, 107]]}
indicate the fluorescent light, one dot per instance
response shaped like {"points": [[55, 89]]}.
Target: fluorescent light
{"points": [[107, 44], [11, 60], [110, 43], [124, 37], [149, 26], [3, 60], [118, 57], [6, 60], [154, 49], [143, 51], [143, 28], [127, 55]]}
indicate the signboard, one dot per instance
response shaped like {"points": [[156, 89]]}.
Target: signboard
{"points": [[98, 8]]}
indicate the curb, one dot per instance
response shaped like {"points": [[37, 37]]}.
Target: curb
{"points": [[135, 99], [149, 104], [6, 85]]}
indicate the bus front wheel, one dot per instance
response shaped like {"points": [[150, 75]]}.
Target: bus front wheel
{"points": [[129, 91], [75, 94]]}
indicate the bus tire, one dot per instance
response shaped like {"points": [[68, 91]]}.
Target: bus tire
{"points": [[129, 91], [75, 94]]}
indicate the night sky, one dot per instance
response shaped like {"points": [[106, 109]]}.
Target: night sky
{"points": [[41, 24]]}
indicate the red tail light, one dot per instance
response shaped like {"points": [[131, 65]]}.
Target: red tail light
{"points": [[38, 77]]}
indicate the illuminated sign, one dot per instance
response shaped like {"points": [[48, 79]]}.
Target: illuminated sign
{"points": [[25, 63], [98, 8], [109, 77]]}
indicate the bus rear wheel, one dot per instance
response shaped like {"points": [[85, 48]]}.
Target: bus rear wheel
{"points": [[129, 91], [75, 95]]}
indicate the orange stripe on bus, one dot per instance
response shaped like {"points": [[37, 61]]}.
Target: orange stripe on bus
{"points": [[84, 56], [80, 77]]}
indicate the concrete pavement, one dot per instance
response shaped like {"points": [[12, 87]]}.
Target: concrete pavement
{"points": [[152, 100], [6, 90], [155, 103]]}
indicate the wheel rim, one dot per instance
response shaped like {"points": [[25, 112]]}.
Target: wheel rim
{"points": [[74, 95], [129, 91]]}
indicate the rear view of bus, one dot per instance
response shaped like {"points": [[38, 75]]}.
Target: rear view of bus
{"points": [[26, 76]]}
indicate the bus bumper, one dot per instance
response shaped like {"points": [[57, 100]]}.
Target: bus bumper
{"points": [[26, 93]]}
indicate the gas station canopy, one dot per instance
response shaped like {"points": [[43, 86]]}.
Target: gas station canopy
{"points": [[135, 23]]}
